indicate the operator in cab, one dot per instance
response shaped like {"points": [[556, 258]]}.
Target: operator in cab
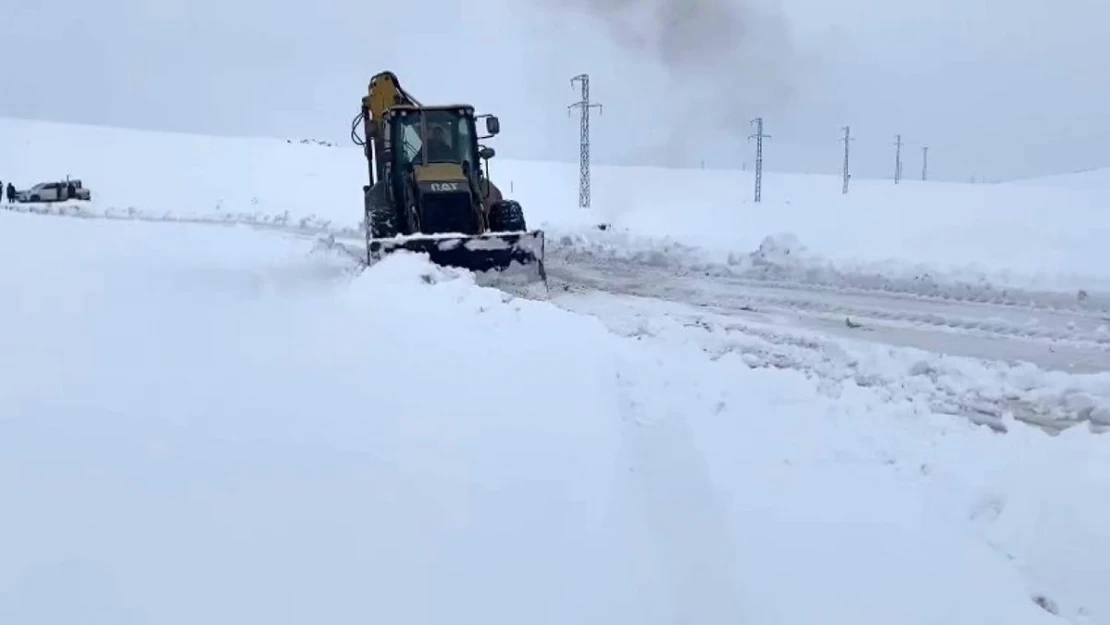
{"points": [[437, 147]]}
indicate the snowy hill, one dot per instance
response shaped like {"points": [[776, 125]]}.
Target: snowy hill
{"points": [[959, 231]]}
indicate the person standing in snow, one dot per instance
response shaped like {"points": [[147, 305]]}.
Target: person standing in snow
{"points": [[11, 193]]}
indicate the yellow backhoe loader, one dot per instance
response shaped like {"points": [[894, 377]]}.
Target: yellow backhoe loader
{"points": [[427, 191]]}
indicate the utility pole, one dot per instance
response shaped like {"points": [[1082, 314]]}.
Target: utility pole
{"points": [[898, 159], [584, 139], [847, 139], [924, 163], [759, 137]]}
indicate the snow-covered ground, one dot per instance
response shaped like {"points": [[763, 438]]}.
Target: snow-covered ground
{"points": [[228, 425], [723, 411]]}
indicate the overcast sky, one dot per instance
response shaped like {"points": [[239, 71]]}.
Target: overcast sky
{"points": [[995, 88]]}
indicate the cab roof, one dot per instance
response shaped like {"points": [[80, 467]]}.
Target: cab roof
{"points": [[438, 107]]}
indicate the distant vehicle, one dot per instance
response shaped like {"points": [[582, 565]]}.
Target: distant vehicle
{"points": [[54, 192]]}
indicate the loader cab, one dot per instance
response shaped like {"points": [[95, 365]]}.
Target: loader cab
{"points": [[425, 136], [422, 136]]}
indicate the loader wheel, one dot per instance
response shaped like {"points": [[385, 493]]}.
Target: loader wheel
{"points": [[379, 215], [381, 223], [507, 216]]}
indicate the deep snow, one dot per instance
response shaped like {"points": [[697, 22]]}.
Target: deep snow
{"points": [[1009, 235], [221, 425]]}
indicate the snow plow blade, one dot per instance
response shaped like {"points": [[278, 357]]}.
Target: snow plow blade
{"points": [[492, 251]]}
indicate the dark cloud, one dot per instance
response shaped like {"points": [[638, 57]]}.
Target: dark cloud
{"points": [[725, 62]]}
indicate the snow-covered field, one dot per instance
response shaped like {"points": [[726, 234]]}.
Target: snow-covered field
{"points": [[724, 411], [227, 425]]}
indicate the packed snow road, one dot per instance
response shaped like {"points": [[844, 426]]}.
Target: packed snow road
{"points": [[1044, 330]]}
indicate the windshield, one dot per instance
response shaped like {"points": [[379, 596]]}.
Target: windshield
{"points": [[437, 136]]}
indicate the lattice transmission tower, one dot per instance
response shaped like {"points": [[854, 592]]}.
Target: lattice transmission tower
{"points": [[584, 139], [897, 159], [759, 137], [847, 139]]}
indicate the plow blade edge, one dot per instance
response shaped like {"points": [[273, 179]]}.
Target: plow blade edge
{"points": [[495, 251]]}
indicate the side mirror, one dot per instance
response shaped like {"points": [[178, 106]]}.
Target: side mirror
{"points": [[486, 153], [493, 125]]}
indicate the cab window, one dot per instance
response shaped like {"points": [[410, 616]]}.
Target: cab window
{"points": [[438, 136]]}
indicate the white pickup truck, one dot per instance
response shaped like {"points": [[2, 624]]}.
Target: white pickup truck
{"points": [[55, 192]]}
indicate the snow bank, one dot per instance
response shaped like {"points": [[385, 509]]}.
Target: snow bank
{"points": [[1005, 235], [782, 258], [1008, 234], [221, 426]]}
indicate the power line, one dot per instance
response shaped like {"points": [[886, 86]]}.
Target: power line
{"points": [[584, 139], [759, 137]]}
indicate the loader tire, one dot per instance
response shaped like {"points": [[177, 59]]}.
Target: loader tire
{"points": [[381, 223], [507, 216], [380, 216]]}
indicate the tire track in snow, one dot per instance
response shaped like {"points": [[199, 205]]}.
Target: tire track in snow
{"points": [[1076, 328], [686, 531]]}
